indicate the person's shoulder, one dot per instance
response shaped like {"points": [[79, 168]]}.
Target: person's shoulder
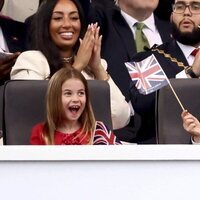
{"points": [[141, 55], [162, 22], [30, 59], [37, 129], [167, 47], [36, 134], [164, 28], [32, 53], [156, 49], [38, 126]]}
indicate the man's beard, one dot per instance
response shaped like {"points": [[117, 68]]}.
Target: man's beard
{"points": [[187, 38]]}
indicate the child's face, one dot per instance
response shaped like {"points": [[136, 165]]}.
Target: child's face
{"points": [[73, 99]]}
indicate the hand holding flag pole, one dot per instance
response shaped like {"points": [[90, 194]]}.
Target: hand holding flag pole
{"points": [[149, 76]]}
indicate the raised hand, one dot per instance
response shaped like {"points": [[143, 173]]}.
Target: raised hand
{"points": [[95, 61], [88, 55], [85, 49]]}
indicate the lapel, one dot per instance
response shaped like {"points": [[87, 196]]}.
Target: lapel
{"points": [[126, 36], [124, 32], [164, 28]]}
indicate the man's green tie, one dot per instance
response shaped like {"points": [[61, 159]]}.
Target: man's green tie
{"points": [[140, 39]]}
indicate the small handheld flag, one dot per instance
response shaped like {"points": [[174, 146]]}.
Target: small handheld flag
{"points": [[148, 75]]}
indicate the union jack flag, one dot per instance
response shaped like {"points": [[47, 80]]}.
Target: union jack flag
{"points": [[104, 136], [148, 74]]}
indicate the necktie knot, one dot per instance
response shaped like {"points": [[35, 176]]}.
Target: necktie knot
{"points": [[194, 52], [139, 25]]}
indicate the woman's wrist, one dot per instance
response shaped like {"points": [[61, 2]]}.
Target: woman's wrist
{"points": [[100, 73], [77, 66]]}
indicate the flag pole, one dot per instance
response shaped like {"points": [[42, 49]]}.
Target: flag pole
{"points": [[176, 95], [170, 85]]}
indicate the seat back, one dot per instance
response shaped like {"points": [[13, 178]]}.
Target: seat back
{"points": [[169, 122], [24, 106]]}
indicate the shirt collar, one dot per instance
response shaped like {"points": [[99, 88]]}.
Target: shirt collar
{"points": [[149, 22], [186, 49]]}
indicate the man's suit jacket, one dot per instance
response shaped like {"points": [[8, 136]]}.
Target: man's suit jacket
{"points": [[14, 33], [118, 47], [144, 105]]}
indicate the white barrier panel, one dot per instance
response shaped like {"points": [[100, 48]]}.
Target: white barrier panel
{"points": [[100, 172], [100, 152]]}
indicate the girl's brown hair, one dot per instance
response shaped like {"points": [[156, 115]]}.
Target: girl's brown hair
{"points": [[54, 105]]}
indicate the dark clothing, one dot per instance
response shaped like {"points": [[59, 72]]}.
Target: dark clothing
{"points": [[118, 47], [164, 9], [144, 105], [14, 33]]}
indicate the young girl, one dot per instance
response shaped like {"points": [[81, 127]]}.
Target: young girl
{"points": [[70, 119]]}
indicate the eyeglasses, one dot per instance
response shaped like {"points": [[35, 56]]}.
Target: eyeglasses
{"points": [[180, 7]]}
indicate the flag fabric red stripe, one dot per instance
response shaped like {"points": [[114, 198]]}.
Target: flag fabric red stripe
{"points": [[104, 136], [147, 75]]}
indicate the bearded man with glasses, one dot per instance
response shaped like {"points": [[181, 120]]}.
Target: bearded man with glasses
{"points": [[177, 58]]}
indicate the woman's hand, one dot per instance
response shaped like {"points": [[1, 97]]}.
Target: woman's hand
{"points": [[85, 49], [95, 61], [192, 125]]}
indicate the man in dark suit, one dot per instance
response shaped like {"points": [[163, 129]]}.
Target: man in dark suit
{"points": [[118, 45], [12, 37], [175, 57]]}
